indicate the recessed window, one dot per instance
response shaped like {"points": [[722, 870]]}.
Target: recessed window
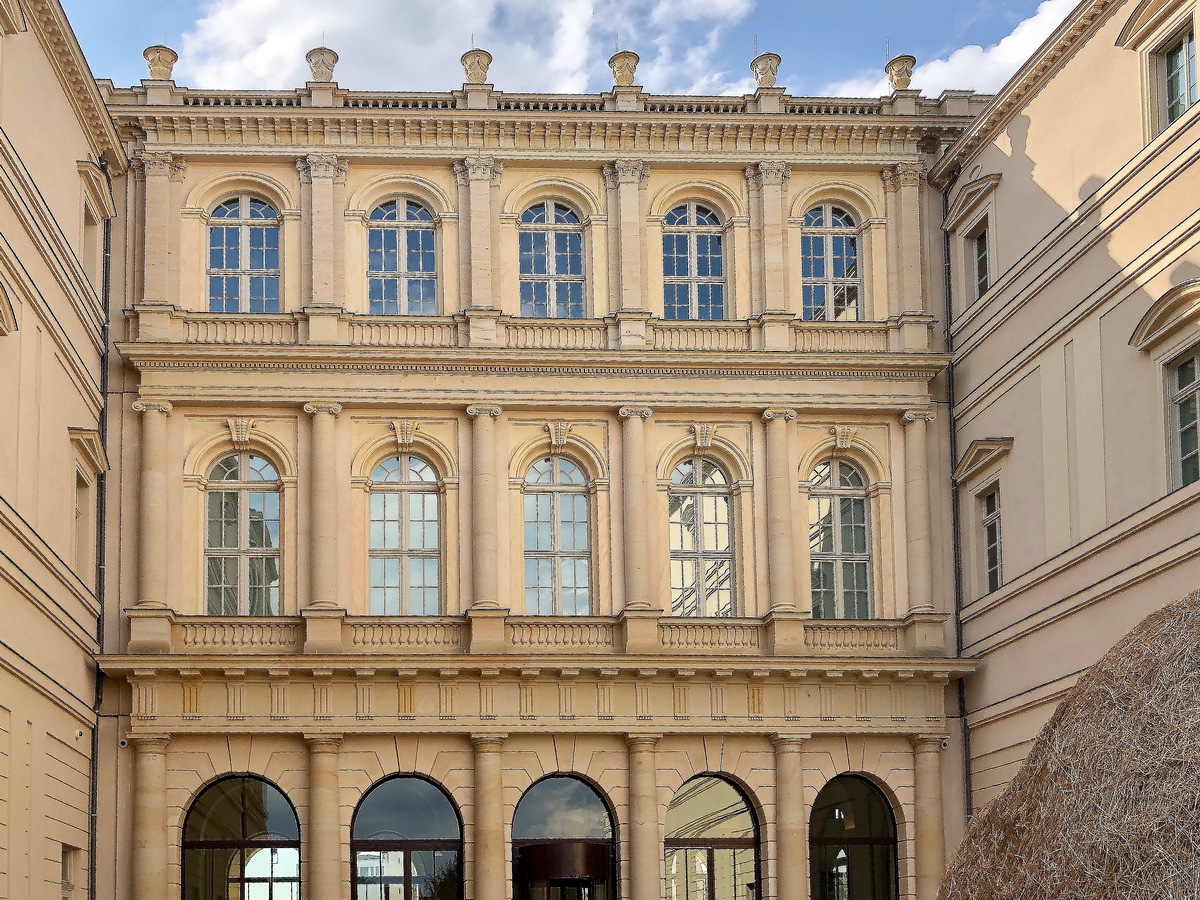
{"points": [[700, 510], [993, 556], [563, 842], [830, 267], [242, 545], [693, 263], [405, 539], [711, 842], [839, 542], [1178, 61], [852, 842], [558, 549], [243, 257], [979, 248], [1186, 400], [401, 262], [550, 243]]}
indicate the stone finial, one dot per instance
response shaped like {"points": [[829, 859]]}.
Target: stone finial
{"points": [[321, 61], [624, 67], [161, 61], [899, 71], [475, 64], [765, 67]]}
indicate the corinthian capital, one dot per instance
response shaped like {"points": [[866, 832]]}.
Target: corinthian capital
{"points": [[625, 171], [156, 162], [321, 165], [478, 168], [774, 173], [905, 174]]}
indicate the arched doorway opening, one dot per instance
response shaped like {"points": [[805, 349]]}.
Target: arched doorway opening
{"points": [[852, 842], [241, 839], [407, 842], [711, 847], [564, 846]]}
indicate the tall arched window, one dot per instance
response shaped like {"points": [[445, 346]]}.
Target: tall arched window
{"points": [[243, 257], [401, 262], [406, 842], [242, 544], [693, 263], [241, 839], [830, 266], [558, 546], [711, 843], [700, 519], [564, 847], [405, 538], [550, 240], [839, 540], [852, 842]]}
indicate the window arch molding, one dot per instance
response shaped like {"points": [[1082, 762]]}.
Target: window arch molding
{"points": [[384, 188], [721, 449], [858, 201], [580, 451], [206, 452], [727, 204], [216, 190], [372, 452], [563, 190], [860, 453]]}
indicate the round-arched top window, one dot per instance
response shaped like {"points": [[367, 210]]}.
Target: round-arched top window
{"points": [[851, 807], [710, 808], [562, 808], [852, 838], [406, 469], [241, 810], [406, 808], [243, 467]]}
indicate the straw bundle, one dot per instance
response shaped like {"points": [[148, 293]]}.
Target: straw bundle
{"points": [[1107, 805]]}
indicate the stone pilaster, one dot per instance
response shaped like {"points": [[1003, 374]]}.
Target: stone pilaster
{"points": [[769, 181], [319, 171], [903, 185], [479, 175], [158, 167], [626, 178], [634, 513]]}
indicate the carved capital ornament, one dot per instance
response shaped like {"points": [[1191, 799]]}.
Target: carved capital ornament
{"points": [[631, 412]]}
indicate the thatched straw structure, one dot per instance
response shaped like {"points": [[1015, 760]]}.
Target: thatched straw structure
{"points": [[1108, 803]]}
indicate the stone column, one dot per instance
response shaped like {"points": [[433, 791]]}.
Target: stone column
{"points": [[770, 178], [905, 181], [320, 170], [490, 874], [324, 850], [917, 518], [635, 516], [792, 829], [323, 526], [781, 485], [626, 177], [930, 847], [152, 541], [485, 483], [479, 174], [645, 850], [150, 836], [158, 167]]}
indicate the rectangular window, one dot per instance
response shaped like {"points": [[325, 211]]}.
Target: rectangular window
{"points": [[1186, 400], [978, 242], [992, 536], [68, 866], [1179, 75]]}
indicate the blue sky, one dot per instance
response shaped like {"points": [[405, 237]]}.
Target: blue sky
{"points": [[686, 46]]}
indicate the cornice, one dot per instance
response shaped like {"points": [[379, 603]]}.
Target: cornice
{"points": [[1027, 81], [75, 76]]}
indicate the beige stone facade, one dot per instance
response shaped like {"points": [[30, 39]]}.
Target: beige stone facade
{"points": [[1070, 366], [55, 167]]}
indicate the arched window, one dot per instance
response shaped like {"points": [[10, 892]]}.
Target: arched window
{"points": [[243, 257], [551, 259], [564, 847], [401, 262], [558, 546], [839, 540], [242, 546], [406, 842], [693, 263], [241, 839], [700, 518], [830, 265], [405, 538], [852, 842], [711, 843]]}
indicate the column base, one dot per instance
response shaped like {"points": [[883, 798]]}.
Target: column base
{"points": [[323, 629], [487, 633]]}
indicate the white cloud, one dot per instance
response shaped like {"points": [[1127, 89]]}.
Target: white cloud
{"points": [[983, 69], [558, 47]]}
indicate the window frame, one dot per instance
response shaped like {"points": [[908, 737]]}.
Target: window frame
{"points": [[992, 535], [703, 557], [550, 229], [691, 231], [404, 489], [979, 235], [243, 553], [710, 845], [827, 232], [1185, 40], [556, 554], [835, 494], [1178, 400], [244, 224], [402, 275]]}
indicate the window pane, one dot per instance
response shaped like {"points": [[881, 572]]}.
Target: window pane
{"points": [[222, 519], [539, 581], [264, 519], [823, 590], [684, 588], [683, 525], [264, 586], [820, 528], [385, 586], [538, 530], [576, 595], [222, 585], [716, 522], [718, 588], [423, 581], [574, 526]]}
